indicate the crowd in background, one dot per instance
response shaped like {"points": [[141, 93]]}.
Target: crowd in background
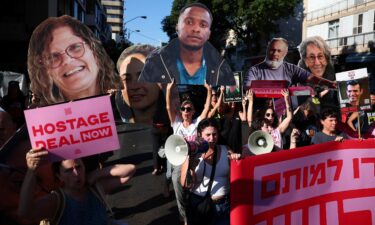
{"points": [[191, 111]]}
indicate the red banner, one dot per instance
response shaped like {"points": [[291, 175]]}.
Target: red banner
{"points": [[325, 184]]}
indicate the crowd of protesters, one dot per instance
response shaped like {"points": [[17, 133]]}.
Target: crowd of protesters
{"points": [[67, 62]]}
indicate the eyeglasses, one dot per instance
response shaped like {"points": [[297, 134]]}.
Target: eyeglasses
{"points": [[269, 114], [55, 59], [312, 58], [188, 109]]}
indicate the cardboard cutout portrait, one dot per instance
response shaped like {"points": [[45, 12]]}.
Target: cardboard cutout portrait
{"points": [[66, 61], [190, 58], [354, 92], [354, 97], [165, 65]]}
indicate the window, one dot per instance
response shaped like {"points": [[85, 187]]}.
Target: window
{"points": [[333, 29], [358, 22], [374, 22]]}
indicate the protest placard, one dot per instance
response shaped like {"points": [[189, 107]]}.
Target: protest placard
{"points": [[73, 129], [326, 184], [234, 93]]}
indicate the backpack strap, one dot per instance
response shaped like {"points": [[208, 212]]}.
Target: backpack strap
{"points": [[208, 193], [98, 191], [60, 206]]}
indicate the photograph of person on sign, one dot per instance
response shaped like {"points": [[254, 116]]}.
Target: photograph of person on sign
{"points": [[190, 58], [66, 61]]}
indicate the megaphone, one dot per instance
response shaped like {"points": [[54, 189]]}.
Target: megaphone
{"points": [[177, 149], [260, 142]]}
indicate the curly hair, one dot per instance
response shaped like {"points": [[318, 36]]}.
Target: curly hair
{"points": [[262, 113], [42, 84]]}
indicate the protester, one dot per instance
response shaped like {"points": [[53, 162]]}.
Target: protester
{"points": [[306, 119], [15, 102], [316, 58], [145, 100], [275, 68], [216, 108], [184, 125], [189, 59], [82, 205], [269, 113], [66, 61], [265, 125], [201, 171], [328, 119], [7, 127]]}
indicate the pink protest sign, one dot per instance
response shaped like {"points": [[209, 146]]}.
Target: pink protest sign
{"points": [[326, 184], [74, 129]]}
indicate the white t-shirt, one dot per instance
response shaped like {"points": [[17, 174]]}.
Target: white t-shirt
{"points": [[190, 132], [220, 185]]}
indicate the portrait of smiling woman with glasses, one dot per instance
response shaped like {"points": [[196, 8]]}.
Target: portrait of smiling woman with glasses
{"points": [[316, 58], [66, 62]]}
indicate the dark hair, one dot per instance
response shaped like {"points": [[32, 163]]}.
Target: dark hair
{"points": [[353, 83], [258, 123], [209, 122], [196, 4], [328, 113], [261, 114], [144, 50], [56, 167]]}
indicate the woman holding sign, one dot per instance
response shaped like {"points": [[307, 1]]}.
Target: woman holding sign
{"points": [[66, 62], [79, 200]]}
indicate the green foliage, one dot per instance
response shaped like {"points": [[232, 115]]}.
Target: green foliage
{"points": [[250, 19]]}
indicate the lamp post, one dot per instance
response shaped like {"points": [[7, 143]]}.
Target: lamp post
{"points": [[132, 31], [126, 22]]}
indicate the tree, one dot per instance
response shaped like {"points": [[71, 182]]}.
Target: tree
{"points": [[251, 20]]}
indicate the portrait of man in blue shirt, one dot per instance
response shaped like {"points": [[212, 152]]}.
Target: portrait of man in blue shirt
{"points": [[190, 58]]}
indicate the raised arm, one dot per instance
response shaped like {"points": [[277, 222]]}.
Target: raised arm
{"points": [[112, 177], [285, 123], [206, 108], [218, 103], [168, 99], [242, 113], [250, 97], [293, 138], [35, 209], [352, 117]]}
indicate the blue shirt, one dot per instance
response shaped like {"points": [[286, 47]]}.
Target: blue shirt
{"points": [[198, 78]]}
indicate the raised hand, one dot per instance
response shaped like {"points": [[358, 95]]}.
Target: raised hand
{"points": [[36, 157]]}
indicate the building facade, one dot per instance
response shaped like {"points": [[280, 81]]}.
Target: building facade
{"points": [[115, 17], [19, 18], [348, 26]]}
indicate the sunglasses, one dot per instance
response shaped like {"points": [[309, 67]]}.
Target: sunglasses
{"points": [[269, 114], [188, 109]]}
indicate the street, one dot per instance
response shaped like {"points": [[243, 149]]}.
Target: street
{"points": [[141, 200]]}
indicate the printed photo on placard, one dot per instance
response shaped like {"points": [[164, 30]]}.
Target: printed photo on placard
{"points": [[234, 93], [354, 97], [189, 58], [353, 90]]}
